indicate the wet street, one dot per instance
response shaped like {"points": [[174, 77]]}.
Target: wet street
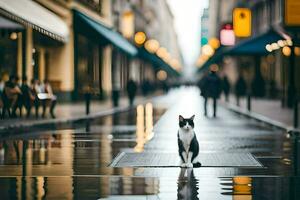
{"points": [[72, 161]]}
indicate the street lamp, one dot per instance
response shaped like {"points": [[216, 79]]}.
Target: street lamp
{"points": [[286, 51], [161, 75], [152, 45], [127, 26], [140, 38]]}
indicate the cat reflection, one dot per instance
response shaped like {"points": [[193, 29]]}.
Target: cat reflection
{"points": [[187, 185]]}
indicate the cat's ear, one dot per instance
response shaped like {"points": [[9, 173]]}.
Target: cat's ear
{"points": [[181, 118], [192, 117]]}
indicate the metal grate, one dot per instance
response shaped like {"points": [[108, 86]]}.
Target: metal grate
{"points": [[173, 160]]}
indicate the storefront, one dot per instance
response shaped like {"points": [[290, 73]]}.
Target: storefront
{"points": [[99, 53], [35, 44]]}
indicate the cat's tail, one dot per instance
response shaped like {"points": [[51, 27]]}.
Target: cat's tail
{"points": [[197, 164]]}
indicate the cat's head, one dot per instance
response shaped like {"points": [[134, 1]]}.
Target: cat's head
{"points": [[186, 123]]}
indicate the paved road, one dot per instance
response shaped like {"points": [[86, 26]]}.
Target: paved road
{"points": [[71, 162]]}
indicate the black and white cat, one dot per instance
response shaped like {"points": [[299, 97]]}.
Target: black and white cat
{"points": [[188, 145]]}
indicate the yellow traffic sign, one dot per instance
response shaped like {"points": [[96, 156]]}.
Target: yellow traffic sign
{"points": [[292, 14], [242, 22]]}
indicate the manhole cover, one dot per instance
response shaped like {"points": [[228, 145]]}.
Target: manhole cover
{"points": [[173, 160]]}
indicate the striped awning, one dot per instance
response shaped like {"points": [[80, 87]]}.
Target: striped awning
{"points": [[31, 14]]}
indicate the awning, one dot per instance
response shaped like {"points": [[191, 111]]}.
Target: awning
{"points": [[256, 45], [31, 14], [157, 62], [107, 35], [9, 25], [216, 58]]}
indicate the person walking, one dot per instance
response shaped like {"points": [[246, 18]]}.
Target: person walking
{"points": [[240, 89], [131, 91], [211, 87], [226, 88]]}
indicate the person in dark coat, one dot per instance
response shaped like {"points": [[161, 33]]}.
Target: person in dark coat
{"points": [[10, 96], [226, 88], [131, 90], [146, 87], [211, 87], [240, 89], [27, 96]]}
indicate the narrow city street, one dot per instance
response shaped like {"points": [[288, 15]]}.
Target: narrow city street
{"points": [[72, 161]]}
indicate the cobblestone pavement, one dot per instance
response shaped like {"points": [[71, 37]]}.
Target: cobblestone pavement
{"points": [[72, 162]]}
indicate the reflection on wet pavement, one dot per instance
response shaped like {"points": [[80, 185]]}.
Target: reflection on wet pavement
{"points": [[71, 163]]}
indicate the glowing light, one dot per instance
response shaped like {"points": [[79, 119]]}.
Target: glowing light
{"points": [[140, 126], [161, 52], [275, 46], [286, 51], [127, 24], [214, 43], [297, 51], [280, 43], [208, 50], [152, 45], [13, 36], [149, 122], [161, 75], [242, 180], [167, 57], [269, 48], [289, 42], [227, 37], [140, 38], [175, 64]]}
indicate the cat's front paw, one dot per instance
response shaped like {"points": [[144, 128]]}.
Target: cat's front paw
{"points": [[183, 165], [189, 165]]}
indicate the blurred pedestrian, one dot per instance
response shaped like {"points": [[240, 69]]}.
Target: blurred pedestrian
{"points": [[226, 88], [146, 87], [35, 89], [211, 87], [240, 89], [2, 83], [131, 91], [27, 96], [49, 98], [10, 96]]}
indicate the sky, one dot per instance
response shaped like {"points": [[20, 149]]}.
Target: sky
{"points": [[187, 14]]}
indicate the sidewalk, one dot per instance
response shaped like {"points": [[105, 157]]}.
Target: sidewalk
{"points": [[69, 112], [268, 109]]}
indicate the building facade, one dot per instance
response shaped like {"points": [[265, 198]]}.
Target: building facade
{"points": [[78, 45], [269, 72]]}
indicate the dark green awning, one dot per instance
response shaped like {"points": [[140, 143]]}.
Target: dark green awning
{"points": [[107, 35], [255, 45], [216, 58], [157, 62]]}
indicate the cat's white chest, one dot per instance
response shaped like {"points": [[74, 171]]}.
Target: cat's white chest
{"points": [[186, 138]]}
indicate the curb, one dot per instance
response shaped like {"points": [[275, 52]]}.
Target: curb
{"points": [[259, 117], [52, 123]]}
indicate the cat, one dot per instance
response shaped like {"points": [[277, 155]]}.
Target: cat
{"points": [[188, 146]]}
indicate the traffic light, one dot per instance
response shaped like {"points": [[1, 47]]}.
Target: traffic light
{"points": [[242, 22]]}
